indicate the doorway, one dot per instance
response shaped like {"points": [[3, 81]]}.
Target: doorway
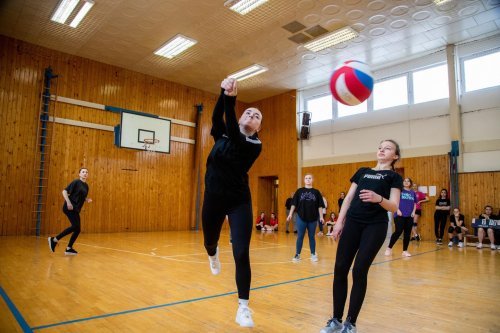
{"points": [[267, 196]]}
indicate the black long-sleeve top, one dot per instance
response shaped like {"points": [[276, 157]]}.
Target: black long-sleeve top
{"points": [[232, 155]]}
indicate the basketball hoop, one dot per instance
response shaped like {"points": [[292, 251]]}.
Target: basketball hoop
{"points": [[150, 145]]}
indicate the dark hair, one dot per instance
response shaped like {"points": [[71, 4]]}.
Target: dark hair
{"points": [[445, 191], [82, 169], [488, 206], [398, 152]]}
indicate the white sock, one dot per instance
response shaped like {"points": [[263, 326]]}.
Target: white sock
{"points": [[243, 302], [54, 239], [68, 248]]}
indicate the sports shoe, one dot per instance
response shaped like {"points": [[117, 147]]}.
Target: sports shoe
{"points": [[418, 238], [388, 251], [244, 316], [493, 247], [498, 247], [287, 232], [332, 326], [412, 239], [70, 252], [348, 328], [314, 257], [320, 233], [440, 241], [52, 244], [450, 244], [460, 244], [479, 246], [214, 262], [406, 254], [296, 258]]}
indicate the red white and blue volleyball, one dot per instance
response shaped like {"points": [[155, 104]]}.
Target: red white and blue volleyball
{"points": [[351, 82]]}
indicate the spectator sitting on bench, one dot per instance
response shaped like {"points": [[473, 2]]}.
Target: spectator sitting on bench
{"points": [[457, 227], [487, 215]]}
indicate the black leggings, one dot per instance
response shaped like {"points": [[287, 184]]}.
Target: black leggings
{"points": [[74, 219], [439, 224], [402, 223], [365, 240], [240, 217]]}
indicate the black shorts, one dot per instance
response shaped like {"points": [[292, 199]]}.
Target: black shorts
{"points": [[418, 212], [452, 229]]}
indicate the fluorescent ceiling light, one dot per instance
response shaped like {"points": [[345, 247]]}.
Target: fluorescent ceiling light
{"points": [[174, 46], [81, 14], [63, 10], [248, 72], [441, 2], [332, 38], [243, 6]]}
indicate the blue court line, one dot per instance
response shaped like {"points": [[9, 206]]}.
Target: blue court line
{"points": [[201, 298], [15, 312]]}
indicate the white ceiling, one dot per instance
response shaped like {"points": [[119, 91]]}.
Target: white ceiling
{"points": [[125, 33]]}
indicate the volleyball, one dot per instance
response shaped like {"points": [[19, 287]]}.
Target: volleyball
{"points": [[351, 82]]}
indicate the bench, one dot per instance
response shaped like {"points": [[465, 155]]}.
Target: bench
{"points": [[476, 223]]}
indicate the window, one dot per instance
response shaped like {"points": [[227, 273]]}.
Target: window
{"points": [[482, 72], [346, 110], [430, 84], [320, 107], [390, 93]]}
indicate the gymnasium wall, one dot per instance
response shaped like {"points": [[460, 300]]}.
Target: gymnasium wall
{"points": [[131, 190], [431, 170], [421, 129]]}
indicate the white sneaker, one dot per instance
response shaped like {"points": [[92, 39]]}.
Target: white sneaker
{"points": [[493, 247], [460, 244], [479, 246], [450, 244], [314, 257], [214, 263], [498, 247], [388, 252], [296, 258], [406, 254], [244, 316]]}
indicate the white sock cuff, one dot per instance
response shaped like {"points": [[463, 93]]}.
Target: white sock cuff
{"points": [[243, 302]]}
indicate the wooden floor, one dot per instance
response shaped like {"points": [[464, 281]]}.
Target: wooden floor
{"points": [[161, 282]]}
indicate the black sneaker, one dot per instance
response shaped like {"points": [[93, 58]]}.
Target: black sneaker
{"points": [[417, 238], [70, 252], [295, 232], [52, 244], [412, 239], [440, 241], [287, 232]]}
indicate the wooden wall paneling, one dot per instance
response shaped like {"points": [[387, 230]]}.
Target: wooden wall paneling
{"points": [[279, 148], [430, 170], [478, 189], [155, 197]]}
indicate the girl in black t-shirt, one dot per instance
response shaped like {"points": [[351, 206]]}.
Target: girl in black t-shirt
{"points": [[308, 203], [457, 227], [441, 215], [236, 148], [362, 228], [75, 195]]}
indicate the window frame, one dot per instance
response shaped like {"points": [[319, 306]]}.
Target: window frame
{"points": [[462, 61]]}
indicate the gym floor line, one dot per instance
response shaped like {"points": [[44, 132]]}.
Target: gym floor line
{"points": [[22, 323]]}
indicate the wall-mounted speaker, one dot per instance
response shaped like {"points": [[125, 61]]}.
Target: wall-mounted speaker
{"points": [[305, 125]]}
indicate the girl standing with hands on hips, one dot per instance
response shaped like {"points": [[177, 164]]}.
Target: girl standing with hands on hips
{"points": [[361, 229], [236, 148]]}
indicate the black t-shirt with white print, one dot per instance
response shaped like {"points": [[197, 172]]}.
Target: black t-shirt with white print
{"points": [[378, 181], [307, 202]]}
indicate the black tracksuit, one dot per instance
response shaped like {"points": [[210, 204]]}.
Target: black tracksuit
{"points": [[226, 188]]}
